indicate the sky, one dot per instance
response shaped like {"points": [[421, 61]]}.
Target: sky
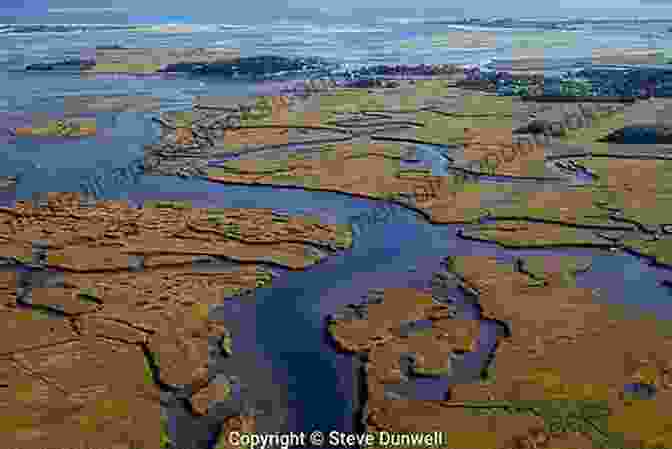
{"points": [[227, 11]]}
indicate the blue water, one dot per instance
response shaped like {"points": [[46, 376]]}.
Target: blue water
{"points": [[284, 324]]}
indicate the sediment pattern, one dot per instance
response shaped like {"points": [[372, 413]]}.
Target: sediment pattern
{"points": [[530, 394], [109, 314]]}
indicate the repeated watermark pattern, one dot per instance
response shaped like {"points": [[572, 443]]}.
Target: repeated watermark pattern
{"points": [[486, 166], [383, 211], [380, 213], [95, 186], [522, 145]]}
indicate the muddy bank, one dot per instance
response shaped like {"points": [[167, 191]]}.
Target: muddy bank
{"points": [[521, 406], [74, 305], [586, 323]]}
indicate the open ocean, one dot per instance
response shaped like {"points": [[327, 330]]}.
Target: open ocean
{"points": [[349, 42], [294, 366], [353, 43]]}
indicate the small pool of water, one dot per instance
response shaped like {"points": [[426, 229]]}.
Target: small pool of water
{"points": [[291, 372], [640, 391], [639, 135]]}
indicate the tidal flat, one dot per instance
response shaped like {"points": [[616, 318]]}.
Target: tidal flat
{"points": [[487, 343], [103, 311]]}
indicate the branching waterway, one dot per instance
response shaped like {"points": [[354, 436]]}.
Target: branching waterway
{"points": [[285, 366], [291, 375]]}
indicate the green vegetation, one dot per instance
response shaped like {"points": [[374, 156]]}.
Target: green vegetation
{"points": [[166, 442], [226, 343], [488, 374], [430, 372], [286, 178], [454, 264], [218, 211], [24, 259], [125, 68], [521, 209], [331, 327], [263, 279], [216, 220], [414, 172], [654, 212], [484, 105], [230, 292], [232, 231], [260, 166], [535, 267], [421, 332], [217, 216], [588, 417], [264, 104], [661, 250], [290, 119], [254, 115], [60, 128], [89, 296], [568, 236], [310, 181], [184, 119], [602, 125], [441, 129], [350, 100], [40, 312], [149, 375], [344, 236], [311, 219], [168, 204]]}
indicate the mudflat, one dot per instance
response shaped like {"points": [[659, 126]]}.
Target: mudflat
{"points": [[532, 393], [108, 321]]}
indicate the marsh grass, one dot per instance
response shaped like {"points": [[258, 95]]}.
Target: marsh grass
{"points": [[226, 344], [40, 313], [414, 172], [147, 369], [661, 250], [430, 372], [216, 220], [89, 295], [125, 68], [165, 441], [160, 204], [24, 259], [603, 124]]}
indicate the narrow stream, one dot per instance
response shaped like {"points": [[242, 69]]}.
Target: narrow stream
{"points": [[282, 327], [289, 373]]}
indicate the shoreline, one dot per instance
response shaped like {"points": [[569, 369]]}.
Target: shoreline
{"points": [[361, 397]]}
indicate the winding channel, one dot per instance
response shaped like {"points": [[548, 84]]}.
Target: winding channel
{"points": [[290, 374], [281, 329]]}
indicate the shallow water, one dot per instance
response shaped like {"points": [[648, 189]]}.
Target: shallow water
{"points": [[287, 320], [280, 349], [640, 135], [302, 378]]}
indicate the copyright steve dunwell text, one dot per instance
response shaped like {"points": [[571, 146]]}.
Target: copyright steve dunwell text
{"points": [[337, 439]]}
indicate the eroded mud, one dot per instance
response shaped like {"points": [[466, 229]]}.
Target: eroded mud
{"points": [[108, 318]]}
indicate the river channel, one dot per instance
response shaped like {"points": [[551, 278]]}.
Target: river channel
{"points": [[289, 373]]}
